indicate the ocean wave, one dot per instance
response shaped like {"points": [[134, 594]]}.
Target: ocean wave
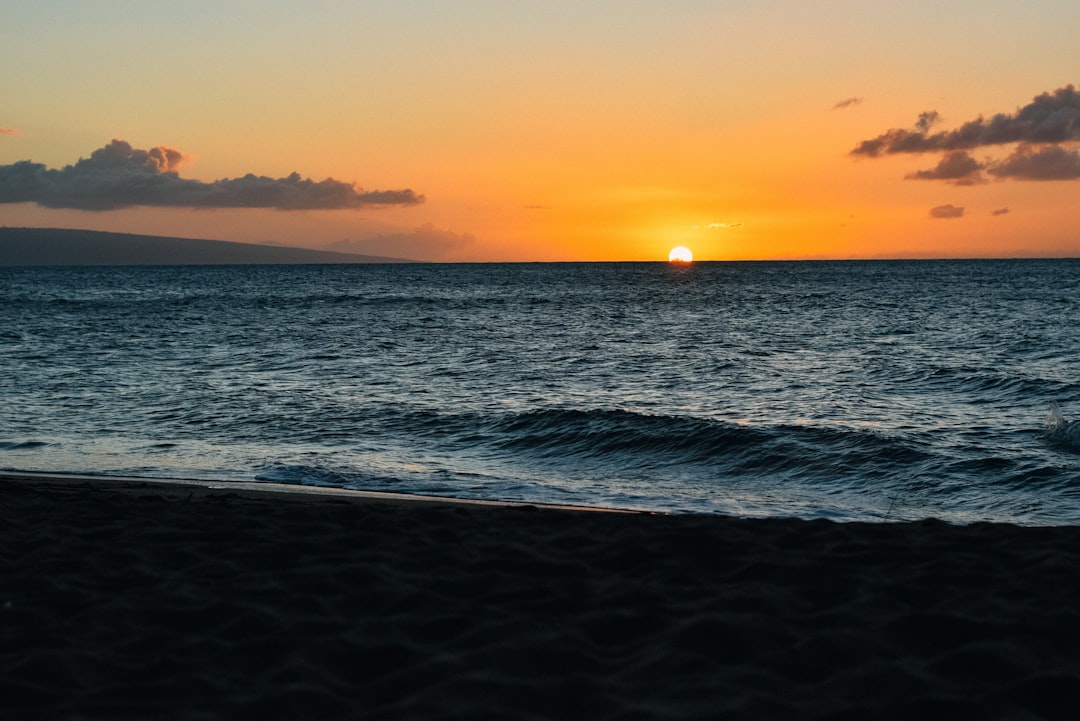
{"points": [[633, 439], [978, 383], [1059, 433], [606, 443], [22, 445], [306, 475]]}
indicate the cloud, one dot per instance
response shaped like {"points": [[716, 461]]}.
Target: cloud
{"points": [[847, 103], [1052, 117], [9, 131], [423, 243], [956, 167], [1049, 163], [119, 176], [1000, 211], [946, 211], [718, 226], [927, 120]]}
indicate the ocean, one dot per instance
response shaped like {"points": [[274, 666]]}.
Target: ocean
{"points": [[854, 390]]}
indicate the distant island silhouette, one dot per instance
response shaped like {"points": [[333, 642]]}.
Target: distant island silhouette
{"points": [[60, 246]]}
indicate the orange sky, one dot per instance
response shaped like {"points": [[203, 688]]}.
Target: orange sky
{"points": [[550, 131]]}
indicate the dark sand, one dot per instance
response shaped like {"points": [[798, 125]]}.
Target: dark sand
{"points": [[172, 602]]}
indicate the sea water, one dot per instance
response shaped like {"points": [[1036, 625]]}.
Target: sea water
{"points": [[846, 390]]}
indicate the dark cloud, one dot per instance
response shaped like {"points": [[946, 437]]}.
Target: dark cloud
{"points": [[119, 176], [9, 131], [1025, 163], [424, 243], [847, 103], [1052, 117], [1000, 211], [1049, 163], [956, 167], [946, 211], [927, 120]]}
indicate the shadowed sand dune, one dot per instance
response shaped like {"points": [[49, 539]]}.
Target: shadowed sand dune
{"points": [[160, 602]]}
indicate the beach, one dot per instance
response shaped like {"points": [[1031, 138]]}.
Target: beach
{"points": [[156, 600]]}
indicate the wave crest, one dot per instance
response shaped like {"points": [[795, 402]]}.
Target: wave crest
{"points": [[1060, 433], [632, 438]]}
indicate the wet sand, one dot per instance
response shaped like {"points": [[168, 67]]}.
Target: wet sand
{"points": [[131, 600]]}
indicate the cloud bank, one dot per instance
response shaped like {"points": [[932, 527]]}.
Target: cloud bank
{"points": [[119, 176], [1049, 118], [9, 131], [1038, 130]]}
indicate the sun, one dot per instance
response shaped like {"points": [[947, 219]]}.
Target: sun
{"points": [[680, 254]]}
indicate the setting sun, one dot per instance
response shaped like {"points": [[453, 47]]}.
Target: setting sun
{"points": [[680, 254]]}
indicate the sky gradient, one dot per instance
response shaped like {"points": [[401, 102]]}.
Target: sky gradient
{"points": [[501, 130]]}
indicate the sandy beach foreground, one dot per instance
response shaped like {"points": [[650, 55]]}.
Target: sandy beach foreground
{"points": [[128, 600]]}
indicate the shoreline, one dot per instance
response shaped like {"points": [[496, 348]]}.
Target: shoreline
{"points": [[147, 599], [267, 489]]}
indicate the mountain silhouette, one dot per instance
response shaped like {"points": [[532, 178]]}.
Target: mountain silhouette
{"points": [[59, 246]]}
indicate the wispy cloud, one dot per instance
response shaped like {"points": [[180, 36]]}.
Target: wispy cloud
{"points": [[946, 212], [847, 103], [1000, 211], [1052, 117], [718, 226], [120, 176], [423, 243], [9, 131]]}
